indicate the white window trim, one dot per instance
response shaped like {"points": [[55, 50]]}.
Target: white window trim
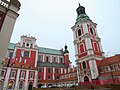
{"points": [[83, 47], [11, 74], [96, 45], [30, 75], [21, 75]]}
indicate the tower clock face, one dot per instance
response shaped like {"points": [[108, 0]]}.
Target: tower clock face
{"points": [[2, 16]]}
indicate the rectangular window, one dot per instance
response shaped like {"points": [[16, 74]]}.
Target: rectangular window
{"points": [[40, 69], [2, 73], [49, 70], [31, 75], [40, 57], [55, 59], [61, 60], [10, 54], [22, 74], [13, 74], [47, 58], [26, 54]]}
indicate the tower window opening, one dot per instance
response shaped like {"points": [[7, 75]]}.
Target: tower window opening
{"points": [[84, 65], [79, 32], [86, 79], [91, 31], [82, 48], [96, 47]]}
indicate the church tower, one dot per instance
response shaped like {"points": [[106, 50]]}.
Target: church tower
{"points": [[88, 49]]}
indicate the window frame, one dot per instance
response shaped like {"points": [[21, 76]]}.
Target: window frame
{"points": [[79, 32], [13, 73], [23, 73], [84, 66], [26, 56]]}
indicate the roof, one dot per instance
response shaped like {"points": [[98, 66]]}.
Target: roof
{"points": [[41, 50], [50, 51], [11, 46], [110, 60]]}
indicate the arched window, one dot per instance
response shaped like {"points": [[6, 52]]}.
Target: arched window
{"points": [[13, 74], [82, 48], [84, 65], [22, 74], [30, 86], [95, 46], [86, 79], [31, 75], [91, 31], [79, 32], [21, 86]]}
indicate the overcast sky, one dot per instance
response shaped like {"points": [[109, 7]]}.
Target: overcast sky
{"points": [[50, 21]]}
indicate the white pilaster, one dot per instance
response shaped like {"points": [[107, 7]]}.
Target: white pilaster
{"points": [[50, 59], [76, 49], [85, 28], [53, 73], [7, 78], [101, 49], [43, 58], [36, 59], [44, 73], [26, 79], [61, 70], [78, 74], [35, 79], [93, 69], [89, 46], [17, 79], [14, 53]]}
